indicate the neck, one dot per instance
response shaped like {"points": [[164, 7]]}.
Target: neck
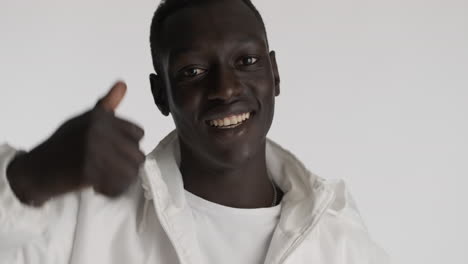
{"points": [[245, 185]]}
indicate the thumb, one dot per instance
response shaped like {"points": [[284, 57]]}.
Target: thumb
{"points": [[113, 98]]}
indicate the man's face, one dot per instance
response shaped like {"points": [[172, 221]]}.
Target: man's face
{"points": [[216, 65]]}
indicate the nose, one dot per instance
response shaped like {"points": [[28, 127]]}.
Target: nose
{"points": [[226, 86]]}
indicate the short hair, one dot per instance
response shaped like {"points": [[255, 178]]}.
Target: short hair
{"points": [[168, 7]]}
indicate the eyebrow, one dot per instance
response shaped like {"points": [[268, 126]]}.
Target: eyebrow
{"points": [[183, 51], [197, 48]]}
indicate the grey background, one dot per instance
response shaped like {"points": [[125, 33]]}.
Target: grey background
{"points": [[374, 92]]}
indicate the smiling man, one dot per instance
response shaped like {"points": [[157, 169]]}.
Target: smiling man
{"points": [[218, 80], [215, 190]]}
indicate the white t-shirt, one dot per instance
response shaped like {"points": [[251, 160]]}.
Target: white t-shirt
{"points": [[232, 235]]}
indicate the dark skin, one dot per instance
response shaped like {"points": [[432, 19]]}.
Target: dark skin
{"points": [[205, 75], [208, 74], [95, 149]]}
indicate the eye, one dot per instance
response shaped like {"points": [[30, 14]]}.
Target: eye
{"points": [[192, 72], [248, 60]]}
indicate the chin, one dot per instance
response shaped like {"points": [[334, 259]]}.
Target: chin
{"points": [[237, 155]]}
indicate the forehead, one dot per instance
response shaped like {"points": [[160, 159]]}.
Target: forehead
{"points": [[210, 24]]}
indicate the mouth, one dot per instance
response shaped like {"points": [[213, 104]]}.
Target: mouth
{"points": [[230, 121]]}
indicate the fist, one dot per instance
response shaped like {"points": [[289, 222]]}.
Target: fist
{"points": [[111, 154], [95, 149]]}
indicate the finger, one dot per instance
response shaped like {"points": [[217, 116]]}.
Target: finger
{"points": [[130, 152], [113, 98], [129, 129], [115, 176], [119, 146]]}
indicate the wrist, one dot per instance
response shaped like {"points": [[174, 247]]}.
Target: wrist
{"points": [[21, 177]]}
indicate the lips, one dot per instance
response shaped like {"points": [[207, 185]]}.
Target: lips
{"points": [[229, 121], [228, 115]]}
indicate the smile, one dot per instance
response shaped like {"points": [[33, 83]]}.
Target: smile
{"points": [[230, 121]]}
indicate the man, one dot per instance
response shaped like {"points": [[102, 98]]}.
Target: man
{"points": [[215, 190]]}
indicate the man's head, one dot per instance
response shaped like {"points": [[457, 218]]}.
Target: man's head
{"points": [[213, 61], [168, 7]]}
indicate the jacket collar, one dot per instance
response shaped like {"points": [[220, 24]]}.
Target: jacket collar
{"points": [[306, 198]]}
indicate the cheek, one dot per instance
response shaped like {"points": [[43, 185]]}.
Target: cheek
{"points": [[185, 99], [266, 95], [185, 106], [263, 81], [264, 89]]}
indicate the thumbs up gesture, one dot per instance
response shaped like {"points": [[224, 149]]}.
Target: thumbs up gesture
{"points": [[113, 98], [95, 149]]}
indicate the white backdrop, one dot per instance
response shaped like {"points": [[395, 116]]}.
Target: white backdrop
{"points": [[375, 92]]}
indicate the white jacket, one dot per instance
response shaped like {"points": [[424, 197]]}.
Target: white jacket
{"points": [[151, 222]]}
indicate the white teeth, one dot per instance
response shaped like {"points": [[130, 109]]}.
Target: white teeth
{"points": [[229, 121], [233, 120]]}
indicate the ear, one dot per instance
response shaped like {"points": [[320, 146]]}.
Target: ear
{"points": [[274, 67], [159, 93]]}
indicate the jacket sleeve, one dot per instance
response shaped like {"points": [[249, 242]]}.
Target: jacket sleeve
{"points": [[40, 235], [355, 240]]}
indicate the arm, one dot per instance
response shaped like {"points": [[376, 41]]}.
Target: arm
{"points": [[95, 149], [42, 233], [16, 218]]}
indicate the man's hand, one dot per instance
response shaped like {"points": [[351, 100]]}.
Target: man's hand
{"points": [[95, 149]]}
